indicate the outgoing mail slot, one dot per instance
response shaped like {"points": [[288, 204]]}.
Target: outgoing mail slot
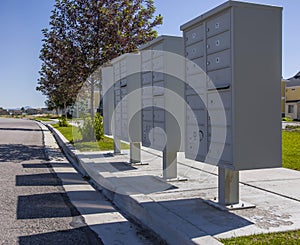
{"points": [[123, 82], [218, 43], [219, 77], [194, 35], [218, 24]]}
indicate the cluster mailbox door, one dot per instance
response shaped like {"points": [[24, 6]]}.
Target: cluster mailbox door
{"points": [[233, 76]]}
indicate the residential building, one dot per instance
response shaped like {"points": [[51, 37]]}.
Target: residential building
{"points": [[3, 112], [292, 94], [283, 97]]}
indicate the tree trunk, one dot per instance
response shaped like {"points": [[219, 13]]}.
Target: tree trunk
{"points": [[92, 98]]}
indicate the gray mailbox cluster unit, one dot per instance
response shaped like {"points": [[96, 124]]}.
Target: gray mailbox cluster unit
{"points": [[230, 104], [162, 113], [238, 45], [127, 103], [108, 98]]}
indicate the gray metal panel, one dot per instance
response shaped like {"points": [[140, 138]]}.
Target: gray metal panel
{"points": [[195, 66], [257, 91], [194, 35], [158, 76], [195, 51], [220, 78], [147, 114], [216, 100], [158, 115], [218, 43], [146, 78], [218, 60], [218, 24]]}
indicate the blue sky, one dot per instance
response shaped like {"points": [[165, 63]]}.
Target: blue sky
{"points": [[21, 22]]}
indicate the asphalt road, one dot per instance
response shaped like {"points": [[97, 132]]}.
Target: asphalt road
{"points": [[34, 209]]}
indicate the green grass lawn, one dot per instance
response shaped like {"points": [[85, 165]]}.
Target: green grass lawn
{"points": [[73, 135], [280, 238], [291, 149]]}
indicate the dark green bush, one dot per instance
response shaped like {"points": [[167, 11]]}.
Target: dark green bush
{"points": [[98, 127]]}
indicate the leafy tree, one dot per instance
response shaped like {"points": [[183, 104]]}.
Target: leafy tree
{"points": [[85, 34]]}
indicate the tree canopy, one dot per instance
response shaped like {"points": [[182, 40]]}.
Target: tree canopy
{"points": [[85, 34]]}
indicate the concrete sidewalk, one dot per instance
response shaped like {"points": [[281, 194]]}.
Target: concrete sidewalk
{"points": [[177, 211], [97, 212]]}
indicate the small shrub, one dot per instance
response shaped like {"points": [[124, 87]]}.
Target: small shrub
{"points": [[292, 127], [98, 127], [63, 122], [286, 119]]}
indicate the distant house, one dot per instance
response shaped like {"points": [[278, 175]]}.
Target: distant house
{"points": [[3, 112], [283, 97], [15, 112], [292, 97]]}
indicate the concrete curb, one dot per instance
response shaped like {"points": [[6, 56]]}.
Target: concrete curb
{"points": [[157, 218], [67, 149], [111, 227]]}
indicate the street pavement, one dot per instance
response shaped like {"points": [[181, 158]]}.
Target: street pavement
{"points": [[37, 207]]}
